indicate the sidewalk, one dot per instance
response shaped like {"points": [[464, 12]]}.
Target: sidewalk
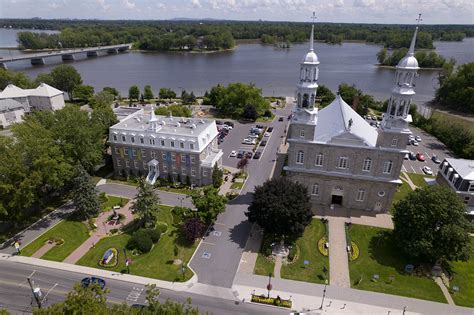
{"points": [[100, 232], [249, 256], [338, 260], [35, 230]]}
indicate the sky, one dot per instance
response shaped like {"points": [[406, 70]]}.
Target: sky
{"points": [[348, 11]]}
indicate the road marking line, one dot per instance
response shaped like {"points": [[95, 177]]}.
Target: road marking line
{"points": [[413, 169], [219, 223], [404, 168], [208, 243]]}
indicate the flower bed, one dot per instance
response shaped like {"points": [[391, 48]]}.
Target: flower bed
{"points": [[354, 252], [293, 255], [271, 301], [112, 262], [322, 246]]}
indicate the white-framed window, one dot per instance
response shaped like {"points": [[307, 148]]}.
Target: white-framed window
{"points": [[394, 142], [173, 167], [183, 170], [172, 144], [455, 178], [165, 168], [132, 139], [471, 187], [301, 133], [135, 164], [134, 152], [162, 142], [152, 141], [300, 157], [183, 158], [145, 166], [153, 154], [173, 157], [163, 156], [360, 195], [387, 167], [204, 172], [193, 172], [143, 153], [181, 145], [115, 137], [119, 163], [124, 139], [466, 199], [191, 146], [319, 159], [343, 162], [367, 165], [127, 163], [116, 150], [142, 141], [315, 190], [193, 159]]}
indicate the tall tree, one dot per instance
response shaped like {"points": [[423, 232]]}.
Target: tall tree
{"points": [[430, 225], [148, 93], [102, 99], [83, 92], [105, 117], [217, 174], [326, 95], [112, 91], [16, 78], [208, 203], [167, 93], [84, 194], [133, 93], [457, 90], [66, 78], [147, 203], [44, 78], [281, 207]]}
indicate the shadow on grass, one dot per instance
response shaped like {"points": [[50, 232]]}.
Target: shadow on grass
{"points": [[383, 249]]}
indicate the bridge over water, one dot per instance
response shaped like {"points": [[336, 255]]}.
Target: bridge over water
{"points": [[66, 54]]}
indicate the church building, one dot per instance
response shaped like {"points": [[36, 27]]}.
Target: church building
{"points": [[342, 159]]}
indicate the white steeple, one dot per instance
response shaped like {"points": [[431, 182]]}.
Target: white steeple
{"points": [[307, 85], [397, 115], [153, 119]]}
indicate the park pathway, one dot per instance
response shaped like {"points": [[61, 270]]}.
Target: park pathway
{"points": [[338, 260], [43, 250], [445, 291], [252, 247], [100, 232], [278, 263]]}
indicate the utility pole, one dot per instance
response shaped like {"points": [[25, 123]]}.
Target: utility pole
{"points": [[37, 293]]}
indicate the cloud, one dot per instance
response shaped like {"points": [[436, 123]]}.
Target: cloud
{"points": [[103, 4], [127, 4], [364, 3], [196, 3]]}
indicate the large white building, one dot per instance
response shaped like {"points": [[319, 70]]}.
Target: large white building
{"points": [[341, 158], [176, 148], [44, 97]]}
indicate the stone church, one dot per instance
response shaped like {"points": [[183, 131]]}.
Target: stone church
{"points": [[342, 159]]}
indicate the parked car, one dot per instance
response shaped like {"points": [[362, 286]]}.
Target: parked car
{"points": [[93, 280], [269, 129], [427, 170], [369, 117], [412, 156], [249, 141], [256, 131], [406, 157], [240, 154], [218, 122], [248, 155], [280, 119], [257, 155], [435, 159], [227, 127], [420, 157], [418, 138], [259, 126], [233, 153], [267, 134], [263, 143], [415, 143], [229, 123]]}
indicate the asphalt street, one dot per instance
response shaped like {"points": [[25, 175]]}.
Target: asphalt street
{"points": [[217, 258], [15, 293]]}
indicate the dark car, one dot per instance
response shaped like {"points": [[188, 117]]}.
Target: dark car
{"points": [[240, 154], [218, 122], [280, 119], [257, 155], [93, 280], [248, 155], [269, 129], [229, 123], [263, 143], [259, 126], [435, 159], [412, 156]]}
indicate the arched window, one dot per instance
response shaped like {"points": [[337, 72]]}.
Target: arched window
{"points": [[392, 106], [300, 157], [367, 165], [299, 99], [387, 167], [319, 159], [401, 108], [305, 100]]}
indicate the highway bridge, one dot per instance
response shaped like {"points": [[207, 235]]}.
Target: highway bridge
{"points": [[66, 54]]}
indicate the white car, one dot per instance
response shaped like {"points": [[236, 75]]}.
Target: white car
{"points": [[227, 127], [406, 157], [233, 153], [418, 138], [249, 141], [252, 136], [267, 134], [427, 170]]}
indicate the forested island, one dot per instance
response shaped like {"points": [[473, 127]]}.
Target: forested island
{"points": [[425, 59], [216, 35]]}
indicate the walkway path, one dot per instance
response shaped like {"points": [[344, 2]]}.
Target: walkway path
{"points": [[43, 250], [445, 291], [408, 180], [339, 271], [278, 263], [100, 232], [252, 247]]}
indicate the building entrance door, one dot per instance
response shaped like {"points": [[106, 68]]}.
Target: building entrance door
{"points": [[378, 206], [336, 200]]}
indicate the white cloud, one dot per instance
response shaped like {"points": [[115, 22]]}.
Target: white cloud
{"points": [[103, 4], [196, 3], [127, 4], [364, 3]]}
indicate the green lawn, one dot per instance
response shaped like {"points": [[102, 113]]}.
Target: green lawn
{"points": [[378, 255], [419, 179], [463, 273], [455, 120], [113, 201], [308, 245], [74, 233], [401, 193], [236, 185], [264, 266], [158, 263]]}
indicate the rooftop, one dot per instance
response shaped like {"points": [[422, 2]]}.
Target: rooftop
{"points": [[7, 105], [13, 91], [465, 168]]}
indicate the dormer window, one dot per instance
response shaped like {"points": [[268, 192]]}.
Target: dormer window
{"points": [[124, 139], [301, 133], [162, 143], [115, 137]]}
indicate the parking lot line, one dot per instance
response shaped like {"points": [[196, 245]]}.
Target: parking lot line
{"points": [[413, 169], [426, 153], [207, 243], [404, 168]]}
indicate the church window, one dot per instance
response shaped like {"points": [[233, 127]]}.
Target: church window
{"points": [[319, 160], [124, 139], [381, 193], [471, 187], [342, 163], [394, 142], [172, 144], [191, 146], [133, 139], [360, 195], [152, 141], [153, 154], [116, 150], [183, 158], [301, 133], [392, 107], [141, 140], [367, 165], [299, 98], [387, 167], [115, 137], [127, 163], [143, 153], [305, 100], [401, 108], [300, 157], [163, 156], [181, 145], [162, 143], [315, 190]]}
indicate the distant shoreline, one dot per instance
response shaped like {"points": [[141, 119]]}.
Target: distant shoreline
{"points": [[393, 67]]}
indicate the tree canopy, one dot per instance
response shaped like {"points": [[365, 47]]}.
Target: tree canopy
{"points": [[425, 60], [66, 78], [148, 93], [147, 203], [85, 194], [281, 207], [133, 93], [166, 93], [430, 225], [208, 203], [457, 90]]}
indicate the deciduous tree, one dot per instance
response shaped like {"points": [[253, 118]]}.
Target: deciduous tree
{"points": [[66, 78], [83, 92], [147, 203], [192, 229], [84, 194], [148, 93], [133, 93], [208, 203], [217, 174]]}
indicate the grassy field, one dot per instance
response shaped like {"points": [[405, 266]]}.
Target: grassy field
{"points": [[378, 255], [308, 245], [455, 120], [113, 201], [401, 193], [463, 273], [264, 266], [158, 263], [74, 233], [419, 179]]}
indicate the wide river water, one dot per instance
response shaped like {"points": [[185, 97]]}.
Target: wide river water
{"points": [[273, 70]]}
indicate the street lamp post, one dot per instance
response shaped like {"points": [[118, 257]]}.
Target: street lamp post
{"points": [[269, 285], [324, 293], [183, 268]]}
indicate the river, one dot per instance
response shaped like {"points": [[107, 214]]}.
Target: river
{"points": [[273, 70]]}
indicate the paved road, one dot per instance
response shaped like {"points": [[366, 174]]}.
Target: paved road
{"points": [[28, 235], [16, 296], [217, 258]]}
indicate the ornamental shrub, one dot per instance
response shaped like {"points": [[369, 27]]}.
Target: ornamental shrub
{"points": [[143, 240]]}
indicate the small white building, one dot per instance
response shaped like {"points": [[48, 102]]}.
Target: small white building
{"points": [[44, 97], [11, 111]]}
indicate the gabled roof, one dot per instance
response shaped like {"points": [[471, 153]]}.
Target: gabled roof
{"points": [[45, 90], [333, 121], [13, 91]]}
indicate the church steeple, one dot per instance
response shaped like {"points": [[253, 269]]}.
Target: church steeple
{"points": [[397, 116]]}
